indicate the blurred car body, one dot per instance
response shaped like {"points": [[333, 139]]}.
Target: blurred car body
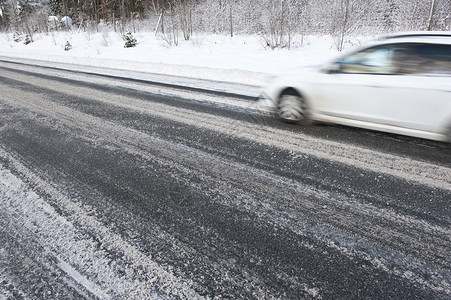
{"points": [[399, 84]]}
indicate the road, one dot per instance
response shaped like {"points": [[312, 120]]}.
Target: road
{"points": [[118, 189]]}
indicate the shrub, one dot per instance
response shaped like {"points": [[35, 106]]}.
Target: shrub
{"points": [[68, 46], [130, 41], [18, 37], [28, 40]]}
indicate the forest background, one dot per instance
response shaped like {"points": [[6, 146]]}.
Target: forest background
{"points": [[277, 21]]}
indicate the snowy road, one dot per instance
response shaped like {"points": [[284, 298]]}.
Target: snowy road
{"points": [[115, 189]]}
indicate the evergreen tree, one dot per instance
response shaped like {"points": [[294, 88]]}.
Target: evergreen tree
{"points": [[130, 41], [68, 46], [28, 39]]}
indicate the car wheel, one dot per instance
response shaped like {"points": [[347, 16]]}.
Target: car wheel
{"points": [[292, 108]]}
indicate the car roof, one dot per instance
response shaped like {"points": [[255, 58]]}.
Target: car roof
{"points": [[419, 34], [438, 37]]}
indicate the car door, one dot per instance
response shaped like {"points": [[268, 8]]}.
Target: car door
{"points": [[423, 88], [362, 86]]}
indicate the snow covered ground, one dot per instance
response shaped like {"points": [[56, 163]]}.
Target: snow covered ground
{"points": [[240, 59]]}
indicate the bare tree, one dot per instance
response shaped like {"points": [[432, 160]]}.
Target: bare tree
{"points": [[184, 11], [340, 21], [278, 21]]}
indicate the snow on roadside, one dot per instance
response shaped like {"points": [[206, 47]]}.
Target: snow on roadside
{"points": [[241, 59]]}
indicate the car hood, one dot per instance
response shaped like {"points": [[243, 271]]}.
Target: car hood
{"points": [[297, 73]]}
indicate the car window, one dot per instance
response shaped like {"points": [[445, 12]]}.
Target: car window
{"points": [[401, 59], [407, 60], [376, 60], [434, 59]]}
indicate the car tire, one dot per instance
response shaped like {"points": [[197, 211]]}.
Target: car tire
{"points": [[292, 108]]}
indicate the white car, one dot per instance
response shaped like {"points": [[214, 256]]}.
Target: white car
{"points": [[399, 84]]}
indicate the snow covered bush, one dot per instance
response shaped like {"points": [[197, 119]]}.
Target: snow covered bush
{"points": [[17, 37], [53, 23], [130, 41], [68, 46], [28, 40], [66, 22]]}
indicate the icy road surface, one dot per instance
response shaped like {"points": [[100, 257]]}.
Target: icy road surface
{"points": [[114, 189]]}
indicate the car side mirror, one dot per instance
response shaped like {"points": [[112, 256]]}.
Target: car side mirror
{"points": [[332, 68]]}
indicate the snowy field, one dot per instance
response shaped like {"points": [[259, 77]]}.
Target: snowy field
{"points": [[242, 59]]}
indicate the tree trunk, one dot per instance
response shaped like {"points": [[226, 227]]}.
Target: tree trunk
{"points": [[345, 25], [414, 14], [281, 22], [231, 22], [431, 15]]}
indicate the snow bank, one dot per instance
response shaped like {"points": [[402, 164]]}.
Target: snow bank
{"points": [[241, 59]]}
